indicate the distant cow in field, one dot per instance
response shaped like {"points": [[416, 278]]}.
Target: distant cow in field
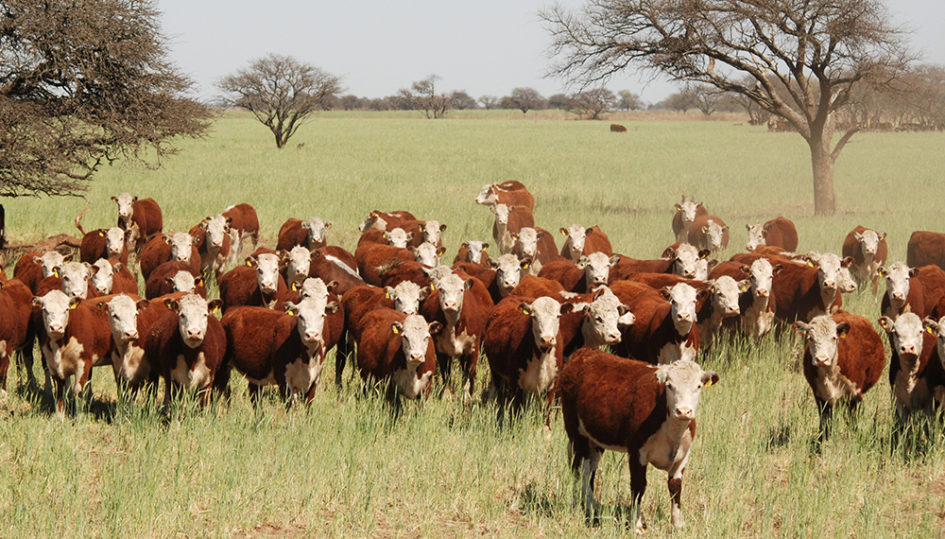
{"points": [[686, 213], [509, 220], [309, 233], [142, 217], [778, 232], [709, 232], [378, 220], [617, 128], [646, 411], [926, 248], [843, 359], [580, 241], [510, 193], [869, 251], [243, 224], [162, 248]]}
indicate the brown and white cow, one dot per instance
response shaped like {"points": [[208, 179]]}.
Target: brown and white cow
{"points": [[172, 277], [595, 320], [15, 330], [473, 252], [580, 241], [214, 244], [936, 327], [869, 251], [103, 243], [843, 358], [665, 329], [511, 193], [908, 289], [33, 267], [686, 213], [109, 276], [310, 233], [926, 248], [298, 265], [709, 232], [188, 344], [758, 305], [778, 232], [646, 411], [537, 244], [509, 272], [378, 220], [590, 272], [329, 267], [804, 291], [397, 346], [912, 375], [141, 217], [129, 320], [257, 283], [428, 254], [243, 223], [509, 220], [177, 246]]}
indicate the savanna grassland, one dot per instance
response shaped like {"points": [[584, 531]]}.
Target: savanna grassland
{"points": [[347, 466]]}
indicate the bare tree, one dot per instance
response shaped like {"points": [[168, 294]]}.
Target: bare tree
{"points": [[525, 99], [422, 94], [705, 97], [82, 83], [489, 102], [591, 103], [559, 101], [461, 100], [629, 100], [281, 92], [802, 58]]}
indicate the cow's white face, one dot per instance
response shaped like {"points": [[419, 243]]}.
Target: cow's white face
{"points": [[937, 328], [51, 261], [316, 230], [487, 196], [684, 381], [298, 264], [714, 233], [828, 272], [397, 237], [508, 272], [475, 250], [55, 307], [897, 283], [869, 241], [577, 234], [311, 324], [216, 230], [427, 254], [545, 313], [75, 279], [682, 300], [193, 312], [123, 318], [905, 336], [183, 281], [847, 283], [527, 242], [687, 209], [725, 292], [125, 206], [756, 237], [114, 242], [501, 214], [761, 275], [823, 336], [432, 232], [407, 296], [414, 334], [181, 246], [267, 272], [103, 277], [451, 290], [604, 317], [373, 222], [686, 262], [597, 268]]}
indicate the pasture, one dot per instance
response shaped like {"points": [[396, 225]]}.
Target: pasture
{"points": [[346, 466]]}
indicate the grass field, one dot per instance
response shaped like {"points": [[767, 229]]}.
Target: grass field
{"points": [[346, 466]]}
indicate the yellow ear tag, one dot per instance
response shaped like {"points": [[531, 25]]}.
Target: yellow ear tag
{"points": [[72, 306], [843, 335], [432, 287], [295, 286], [101, 233], [524, 266], [396, 331], [705, 229], [55, 273], [387, 295], [810, 263], [248, 263], [215, 309], [526, 312], [927, 328], [709, 383], [564, 233], [420, 228], [290, 313]]}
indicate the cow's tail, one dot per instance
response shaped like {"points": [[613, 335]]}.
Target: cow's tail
{"points": [[78, 218]]}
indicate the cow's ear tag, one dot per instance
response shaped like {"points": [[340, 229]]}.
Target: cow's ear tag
{"points": [[396, 331], [708, 383]]}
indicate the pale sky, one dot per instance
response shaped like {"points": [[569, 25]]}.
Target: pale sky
{"points": [[486, 47]]}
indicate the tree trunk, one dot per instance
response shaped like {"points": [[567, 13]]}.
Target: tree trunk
{"points": [[822, 164]]}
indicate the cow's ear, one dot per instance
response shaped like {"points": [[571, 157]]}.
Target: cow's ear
{"points": [[882, 272], [744, 268], [704, 253], [842, 329], [485, 246], [678, 206], [397, 328], [74, 302], [251, 261], [525, 308], [332, 285], [198, 281], [748, 228], [882, 235], [435, 327], [887, 323], [142, 304], [725, 228], [101, 232], [291, 309], [582, 262], [332, 307], [115, 199], [857, 236], [845, 263], [614, 259], [801, 328], [37, 301], [913, 272], [440, 251], [712, 263], [777, 269], [101, 305], [669, 252], [493, 263], [442, 227], [328, 224], [931, 326], [744, 285], [710, 378], [566, 308], [172, 304], [666, 292], [705, 229], [68, 257], [564, 231], [166, 238], [388, 292], [468, 283], [215, 306], [702, 293]]}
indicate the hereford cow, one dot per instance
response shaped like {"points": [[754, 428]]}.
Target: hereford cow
{"points": [[665, 329], [510, 193], [428, 254], [375, 259], [309, 233], [778, 232], [686, 212], [298, 266], [172, 277], [681, 259], [103, 243], [214, 245], [257, 283], [142, 217], [33, 267], [936, 327], [15, 329], [178, 246], [758, 306], [243, 224], [926, 248], [398, 346], [509, 220], [915, 290], [537, 244], [843, 359], [509, 272], [283, 348], [913, 376], [868, 249], [591, 272], [473, 252], [802, 292], [378, 220], [580, 241], [617, 128], [631, 406], [112, 277], [328, 267], [709, 232], [535, 287], [129, 320]]}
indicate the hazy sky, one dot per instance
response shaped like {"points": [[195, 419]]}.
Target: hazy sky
{"points": [[379, 46]]}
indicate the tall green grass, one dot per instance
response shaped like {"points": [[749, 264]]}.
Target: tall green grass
{"points": [[348, 466]]}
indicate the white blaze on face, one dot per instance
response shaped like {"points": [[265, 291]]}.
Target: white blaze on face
{"points": [[123, 318], [686, 261], [869, 242], [55, 306], [216, 231], [103, 277], [487, 196], [314, 287], [51, 261], [181, 246], [451, 290], [756, 237], [828, 273], [897, 283], [682, 300], [603, 318], [426, 254], [475, 249], [192, 318], [847, 284], [822, 336], [545, 313], [125, 207], [311, 313], [527, 242], [406, 296], [267, 272], [761, 276], [501, 214], [316, 230], [597, 268], [75, 279], [684, 381], [299, 264], [687, 209], [432, 232], [397, 237], [114, 242], [414, 338], [183, 281], [905, 335], [576, 234], [508, 272], [714, 233], [725, 292]]}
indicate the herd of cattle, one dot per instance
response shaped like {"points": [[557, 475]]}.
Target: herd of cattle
{"points": [[539, 314]]}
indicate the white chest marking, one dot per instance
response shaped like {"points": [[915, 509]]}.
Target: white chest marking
{"points": [[539, 373], [196, 377], [410, 384]]}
